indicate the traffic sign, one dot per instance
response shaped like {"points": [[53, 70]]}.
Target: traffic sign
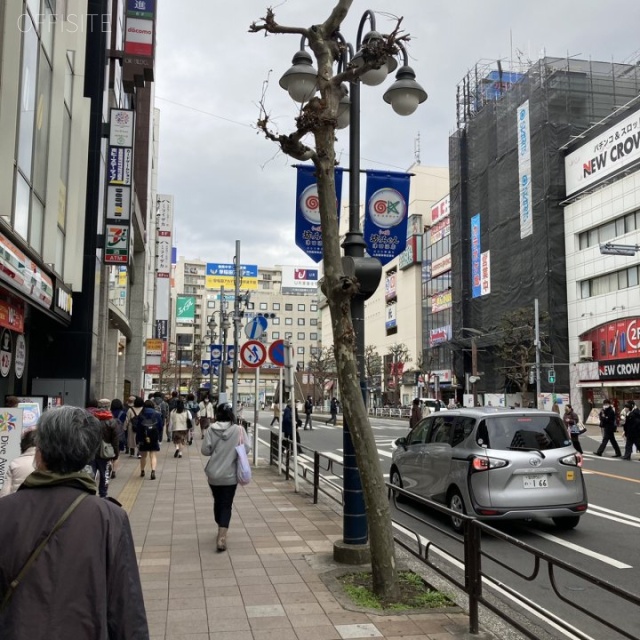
{"points": [[276, 353], [254, 329], [253, 353]]}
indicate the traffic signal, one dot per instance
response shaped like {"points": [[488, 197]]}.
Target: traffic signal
{"points": [[552, 376]]}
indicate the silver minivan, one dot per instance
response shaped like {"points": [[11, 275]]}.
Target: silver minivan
{"points": [[495, 464]]}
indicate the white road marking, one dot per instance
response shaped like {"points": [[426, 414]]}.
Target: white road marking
{"points": [[579, 549], [521, 601]]}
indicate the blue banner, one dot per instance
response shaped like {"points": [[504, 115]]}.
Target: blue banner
{"points": [[205, 367], [385, 214], [476, 280], [308, 229]]}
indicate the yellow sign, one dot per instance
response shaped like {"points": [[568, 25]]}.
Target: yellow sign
{"points": [[229, 283], [154, 347]]}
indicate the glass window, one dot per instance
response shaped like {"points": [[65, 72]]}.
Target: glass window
{"points": [[622, 280], [313, 336], [593, 237], [21, 216], [288, 335], [313, 307], [263, 306], [632, 276], [27, 101], [583, 240], [301, 307], [37, 222], [59, 264], [288, 321], [41, 148], [630, 223], [607, 232], [419, 432], [276, 306], [300, 352], [288, 307], [585, 289], [301, 335], [275, 335], [275, 320], [301, 322], [442, 430], [313, 322], [620, 227]]}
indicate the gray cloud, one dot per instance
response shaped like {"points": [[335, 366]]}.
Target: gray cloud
{"points": [[229, 183]]}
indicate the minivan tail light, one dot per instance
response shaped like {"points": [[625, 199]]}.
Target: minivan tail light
{"points": [[574, 460], [485, 463]]}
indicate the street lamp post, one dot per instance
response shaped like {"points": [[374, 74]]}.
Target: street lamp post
{"points": [[474, 362], [404, 95], [224, 328]]}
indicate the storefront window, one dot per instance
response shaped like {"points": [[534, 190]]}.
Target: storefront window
{"points": [[27, 102], [21, 214]]}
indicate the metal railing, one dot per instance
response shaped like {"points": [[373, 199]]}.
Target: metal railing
{"points": [[474, 551]]}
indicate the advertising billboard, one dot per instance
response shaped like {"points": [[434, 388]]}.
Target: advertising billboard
{"points": [[390, 317], [300, 280], [186, 309], [390, 280], [223, 275], [440, 209], [524, 170]]}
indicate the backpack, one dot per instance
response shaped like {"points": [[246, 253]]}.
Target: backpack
{"points": [[146, 429]]}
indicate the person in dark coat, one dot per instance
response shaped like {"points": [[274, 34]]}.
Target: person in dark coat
{"points": [[631, 429], [571, 421], [148, 446], [333, 410], [287, 427], [103, 464], [416, 413], [608, 426], [84, 584]]}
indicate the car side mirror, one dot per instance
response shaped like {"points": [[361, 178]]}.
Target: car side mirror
{"points": [[401, 442]]}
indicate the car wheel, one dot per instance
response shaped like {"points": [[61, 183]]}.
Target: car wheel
{"points": [[396, 481], [566, 522], [456, 503]]}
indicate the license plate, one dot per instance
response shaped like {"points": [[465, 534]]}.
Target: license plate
{"points": [[536, 482]]}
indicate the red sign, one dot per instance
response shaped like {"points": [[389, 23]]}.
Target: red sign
{"points": [[152, 368], [618, 340], [12, 314], [253, 353]]}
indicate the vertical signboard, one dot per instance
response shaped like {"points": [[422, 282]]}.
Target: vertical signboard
{"points": [[186, 309], [476, 291], [524, 170], [164, 230], [119, 184], [308, 228], [10, 435]]}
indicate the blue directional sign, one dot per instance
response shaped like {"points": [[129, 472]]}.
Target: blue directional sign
{"points": [[256, 327], [276, 353]]}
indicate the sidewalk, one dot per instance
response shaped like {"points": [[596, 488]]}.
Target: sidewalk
{"points": [[267, 585]]}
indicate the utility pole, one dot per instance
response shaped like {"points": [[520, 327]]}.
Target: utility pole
{"points": [[474, 369], [236, 327], [537, 345]]}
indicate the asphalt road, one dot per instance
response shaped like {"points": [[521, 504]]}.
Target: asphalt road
{"points": [[605, 543]]}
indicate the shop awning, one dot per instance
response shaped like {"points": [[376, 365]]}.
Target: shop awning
{"points": [[598, 384]]}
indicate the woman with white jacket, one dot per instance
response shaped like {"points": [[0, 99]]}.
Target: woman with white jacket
{"points": [[179, 420], [220, 442], [22, 466]]}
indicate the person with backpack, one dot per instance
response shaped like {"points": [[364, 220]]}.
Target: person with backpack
{"points": [[108, 451], [148, 426], [308, 410], [162, 408], [119, 415], [179, 423], [194, 409], [136, 404]]}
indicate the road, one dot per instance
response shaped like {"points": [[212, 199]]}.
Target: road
{"points": [[605, 543]]}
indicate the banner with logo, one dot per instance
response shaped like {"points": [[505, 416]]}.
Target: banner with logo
{"points": [[299, 280], [308, 227], [476, 280], [385, 214], [524, 170], [10, 435]]}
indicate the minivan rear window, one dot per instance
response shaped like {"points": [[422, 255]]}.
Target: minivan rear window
{"points": [[522, 432]]}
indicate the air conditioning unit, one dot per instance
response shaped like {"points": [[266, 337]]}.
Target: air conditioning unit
{"points": [[585, 350]]}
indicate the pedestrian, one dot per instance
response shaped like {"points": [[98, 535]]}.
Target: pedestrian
{"points": [[119, 415], [22, 466], [631, 429], [333, 410], [287, 428], [161, 406], [276, 414], [194, 409], [416, 413], [179, 423], [108, 450], [206, 415], [220, 442], [136, 404], [74, 553], [608, 426], [308, 410], [148, 426], [572, 422]]}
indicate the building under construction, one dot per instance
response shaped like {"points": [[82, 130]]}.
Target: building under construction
{"points": [[507, 184]]}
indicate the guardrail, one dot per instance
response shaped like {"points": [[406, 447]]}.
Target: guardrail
{"points": [[473, 552]]}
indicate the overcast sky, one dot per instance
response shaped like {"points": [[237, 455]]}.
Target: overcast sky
{"points": [[229, 183]]}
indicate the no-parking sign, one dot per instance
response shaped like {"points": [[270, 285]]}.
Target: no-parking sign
{"points": [[276, 353]]}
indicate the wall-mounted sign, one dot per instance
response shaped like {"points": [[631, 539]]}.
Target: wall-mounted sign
{"points": [[390, 290], [616, 340], [11, 313], [440, 230], [439, 335], [485, 273], [63, 302], [21, 356], [154, 346], [440, 209], [524, 170], [185, 311], [116, 244], [6, 352], [139, 37], [441, 301], [121, 128], [475, 257], [412, 253], [223, 275], [391, 320], [299, 280], [441, 265], [120, 165], [118, 203]]}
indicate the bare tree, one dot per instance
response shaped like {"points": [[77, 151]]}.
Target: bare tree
{"points": [[314, 139], [372, 367], [399, 353], [517, 347], [322, 366]]}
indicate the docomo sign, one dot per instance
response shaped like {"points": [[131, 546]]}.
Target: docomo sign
{"points": [[614, 149]]}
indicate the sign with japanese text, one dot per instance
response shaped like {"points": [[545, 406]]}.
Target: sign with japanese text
{"points": [[476, 289], [11, 313], [615, 148], [186, 309], [440, 209], [440, 230], [439, 335], [118, 203], [141, 8], [524, 170], [223, 275], [441, 301], [121, 128], [120, 165], [412, 253], [308, 227], [385, 214], [441, 265], [116, 244], [299, 280], [391, 319], [485, 273], [616, 340], [154, 346], [139, 37], [390, 290]]}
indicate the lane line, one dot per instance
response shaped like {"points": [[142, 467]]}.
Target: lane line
{"points": [[583, 550], [615, 513], [521, 601], [609, 475]]}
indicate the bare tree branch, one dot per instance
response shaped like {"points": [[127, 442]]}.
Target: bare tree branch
{"points": [[269, 25]]}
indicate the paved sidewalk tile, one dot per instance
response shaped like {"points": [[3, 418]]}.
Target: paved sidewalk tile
{"points": [[263, 587]]}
